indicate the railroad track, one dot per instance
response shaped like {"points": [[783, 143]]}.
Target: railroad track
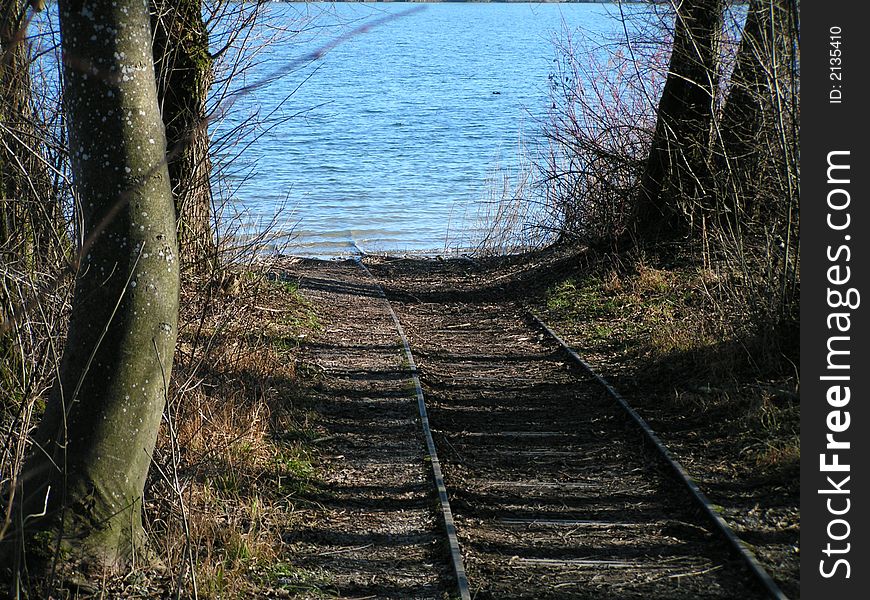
{"points": [[550, 485]]}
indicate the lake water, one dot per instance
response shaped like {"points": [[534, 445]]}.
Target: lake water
{"points": [[399, 132], [398, 137]]}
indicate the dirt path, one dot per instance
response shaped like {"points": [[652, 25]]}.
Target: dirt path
{"points": [[371, 531], [554, 493]]}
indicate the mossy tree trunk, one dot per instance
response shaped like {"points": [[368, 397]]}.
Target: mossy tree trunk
{"points": [[93, 447], [21, 187], [675, 180], [750, 111], [14, 108], [184, 77], [28, 213]]}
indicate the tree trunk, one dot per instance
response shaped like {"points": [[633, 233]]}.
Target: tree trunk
{"points": [[675, 179], [184, 77], [17, 202], [749, 108], [93, 447], [14, 106], [28, 213]]}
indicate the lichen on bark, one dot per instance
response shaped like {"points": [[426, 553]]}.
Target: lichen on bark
{"points": [[84, 479]]}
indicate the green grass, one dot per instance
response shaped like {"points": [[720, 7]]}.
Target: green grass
{"points": [[303, 318], [651, 310], [285, 576], [669, 329]]}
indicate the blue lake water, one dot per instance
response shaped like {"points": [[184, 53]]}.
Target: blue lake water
{"points": [[395, 138], [401, 131]]}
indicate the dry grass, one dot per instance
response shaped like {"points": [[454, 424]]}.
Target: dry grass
{"points": [[648, 308], [231, 458], [668, 330], [720, 394]]}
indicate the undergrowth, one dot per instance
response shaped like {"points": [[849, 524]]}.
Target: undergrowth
{"points": [[232, 458], [722, 395], [663, 330]]}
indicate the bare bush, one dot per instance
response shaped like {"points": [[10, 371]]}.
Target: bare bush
{"points": [[599, 131], [739, 215]]}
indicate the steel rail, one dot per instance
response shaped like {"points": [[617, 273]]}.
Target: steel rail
{"points": [[446, 512], [700, 498]]}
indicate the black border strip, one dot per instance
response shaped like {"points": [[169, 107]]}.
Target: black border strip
{"points": [[835, 279]]}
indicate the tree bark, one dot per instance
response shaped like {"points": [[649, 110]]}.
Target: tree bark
{"points": [[28, 213], [18, 180], [184, 77], [675, 178], [14, 108], [749, 109], [93, 447]]}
